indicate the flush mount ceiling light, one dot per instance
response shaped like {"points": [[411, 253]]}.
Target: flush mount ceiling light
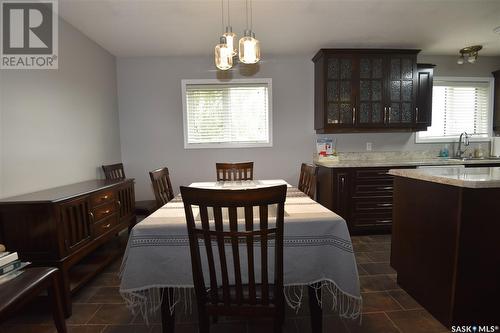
{"points": [[248, 48], [497, 30], [469, 53]]}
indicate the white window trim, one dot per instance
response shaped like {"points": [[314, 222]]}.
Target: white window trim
{"points": [[491, 82], [267, 81]]}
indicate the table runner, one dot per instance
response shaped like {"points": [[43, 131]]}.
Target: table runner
{"points": [[317, 252]]}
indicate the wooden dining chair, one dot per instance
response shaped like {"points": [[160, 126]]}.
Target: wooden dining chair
{"points": [[234, 171], [114, 171], [249, 295], [307, 180], [162, 186]]}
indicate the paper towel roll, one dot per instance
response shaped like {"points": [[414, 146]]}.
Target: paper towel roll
{"points": [[495, 146]]}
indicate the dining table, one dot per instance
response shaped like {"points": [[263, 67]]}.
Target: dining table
{"points": [[318, 258]]}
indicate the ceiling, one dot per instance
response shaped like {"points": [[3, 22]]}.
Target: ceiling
{"points": [[172, 28]]}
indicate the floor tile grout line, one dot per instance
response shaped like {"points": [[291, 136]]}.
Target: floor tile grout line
{"points": [[395, 300], [393, 323], [93, 315]]}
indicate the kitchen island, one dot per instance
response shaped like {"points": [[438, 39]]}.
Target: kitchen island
{"points": [[445, 241]]}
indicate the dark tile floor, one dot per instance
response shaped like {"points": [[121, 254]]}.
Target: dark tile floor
{"points": [[386, 308]]}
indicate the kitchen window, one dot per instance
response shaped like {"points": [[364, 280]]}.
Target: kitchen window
{"points": [[227, 115], [458, 105]]}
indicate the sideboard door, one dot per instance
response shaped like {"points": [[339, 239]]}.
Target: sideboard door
{"points": [[126, 200], [76, 219]]}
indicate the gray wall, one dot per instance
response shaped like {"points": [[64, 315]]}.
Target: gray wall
{"points": [[58, 126], [149, 90]]}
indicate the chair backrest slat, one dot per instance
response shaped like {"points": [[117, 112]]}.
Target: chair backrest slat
{"points": [[307, 180], [250, 256], [233, 227], [162, 187], [114, 171], [263, 212], [234, 171], [210, 256], [235, 292]]}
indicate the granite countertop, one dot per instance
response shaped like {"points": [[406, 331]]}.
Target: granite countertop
{"points": [[360, 163], [461, 177]]}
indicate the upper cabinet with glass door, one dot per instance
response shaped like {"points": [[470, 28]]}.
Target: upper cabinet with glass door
{"points": [[360, 90]]}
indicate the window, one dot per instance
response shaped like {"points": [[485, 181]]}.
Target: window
{"points": [[227, 115], [458, 105]]}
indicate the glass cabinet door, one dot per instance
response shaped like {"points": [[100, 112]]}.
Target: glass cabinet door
{"points": [[340, 99], [400, 109], [371, 83]]}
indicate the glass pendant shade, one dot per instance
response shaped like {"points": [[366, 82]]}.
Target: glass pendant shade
{"points": [[223, 55], [249, 48], [231, 40], [461, 60]]}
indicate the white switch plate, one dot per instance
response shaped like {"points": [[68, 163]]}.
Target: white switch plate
{"points": [[368, 146]]}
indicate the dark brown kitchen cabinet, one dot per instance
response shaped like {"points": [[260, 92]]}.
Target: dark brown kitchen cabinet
{"points": [[74, 227], [496, 103], [423, 115], [362, 196], [365, 90]]}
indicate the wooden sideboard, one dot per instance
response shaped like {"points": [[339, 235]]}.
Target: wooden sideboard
{"points": [[74, 227]]}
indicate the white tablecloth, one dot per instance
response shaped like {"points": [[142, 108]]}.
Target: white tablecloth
{"points": [[317, 249]]}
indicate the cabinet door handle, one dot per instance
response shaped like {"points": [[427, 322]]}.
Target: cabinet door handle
{"points": [[389, 109], [342, 183], [107, 226], [119, 203], [106, 211], [385, 114], [91, 216], [354, 115], [105, 197]]}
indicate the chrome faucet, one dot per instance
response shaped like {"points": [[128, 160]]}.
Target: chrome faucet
{"points": [[464, 138]]}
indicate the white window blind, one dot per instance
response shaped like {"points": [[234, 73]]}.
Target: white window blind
{"points": [[227, 115], [459, 106]]}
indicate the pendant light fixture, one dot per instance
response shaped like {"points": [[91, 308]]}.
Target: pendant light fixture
{"points": [[249, 46], [229, 34], [223, 53]]}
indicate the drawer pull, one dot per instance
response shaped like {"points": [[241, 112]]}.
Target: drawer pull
{"points": [[106, 226], [385, 188], [119, 203], [384, 221], [91, 216], [106, 211], [384, 205], [105, 197]]}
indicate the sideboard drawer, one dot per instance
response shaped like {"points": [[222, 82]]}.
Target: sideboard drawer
{"points": [[102, 197], [103, 226], [104, 211]]}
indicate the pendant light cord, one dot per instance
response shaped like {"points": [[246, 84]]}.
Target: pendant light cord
{"points": [[251, 16], [228, 16], [222, 16], [246, 4]]}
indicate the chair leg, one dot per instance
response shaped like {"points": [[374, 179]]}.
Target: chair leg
{"points": [[278, 324], [56, 300], [203, 320], [315, 309], [167, 318]]}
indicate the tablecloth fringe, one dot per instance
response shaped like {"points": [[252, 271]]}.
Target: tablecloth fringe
{"points": [[346, 305], [148, 301]]}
